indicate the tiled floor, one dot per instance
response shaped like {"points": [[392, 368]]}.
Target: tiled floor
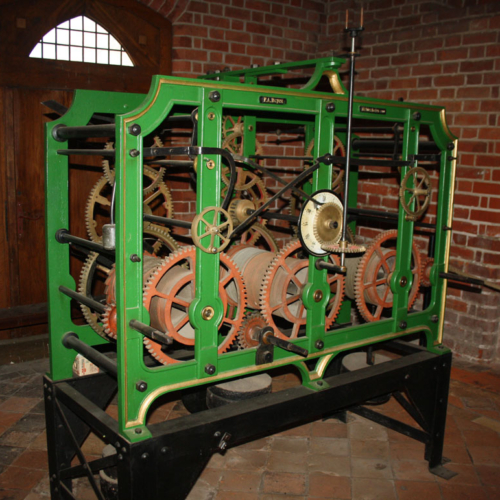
{"points": [[358, 460]]}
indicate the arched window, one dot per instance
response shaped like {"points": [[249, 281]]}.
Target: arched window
{"points": [[81, 40]]}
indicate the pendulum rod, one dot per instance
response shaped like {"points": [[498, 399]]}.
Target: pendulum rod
{"points": [[353, 33]]}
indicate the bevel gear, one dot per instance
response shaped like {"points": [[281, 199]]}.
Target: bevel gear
{"points": [[169, 291], [251, 326], [427, 263], [328, 223], [281, 292], [97, 210], [374, 273]]}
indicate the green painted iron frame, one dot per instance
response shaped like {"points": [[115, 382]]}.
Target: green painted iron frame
{"points": [[303, 106]]}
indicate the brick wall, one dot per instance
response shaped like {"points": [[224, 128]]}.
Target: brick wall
{"points": [[430, 52]]}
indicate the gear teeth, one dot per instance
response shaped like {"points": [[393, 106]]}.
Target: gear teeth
{"points": [[109, 173], [253, 319], [157, 178], [105, 318], [89, 210]]}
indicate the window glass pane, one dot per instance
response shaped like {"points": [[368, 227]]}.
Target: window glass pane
{"points": [[50, 37], [76, 54], [62, 37], [81, 40], [76, 38], [89, 39], [62, 53], [102, 41], [37, 51], [89, 55], [114, 57], [126, 61], [102, 56], [88, 24], [49, 51], [76, 23], [113, 43]]}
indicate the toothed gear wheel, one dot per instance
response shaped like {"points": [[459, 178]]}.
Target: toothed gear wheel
{"points": [[252, 324], [417, 184], [231, 125], [281, 292], [108, 319], [427, 263], [109, 173], [155, 238], [233, 143], [169, 291], [87, 276], [207, 223], [259, 236], [374, 273], [328, 214], [97, 212]]}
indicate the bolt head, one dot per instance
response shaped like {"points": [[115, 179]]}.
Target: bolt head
{"points": [[318, 295], [141, 386], [319, 344], [417, 116], [134, 129], [403, 325], [138, 431], [214, 96], [134, 153], [434, 318], [403, 281], [450, 146], [330, 107], [209, 369]]}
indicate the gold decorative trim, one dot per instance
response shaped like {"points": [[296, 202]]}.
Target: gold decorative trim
{"points": [[249, 370], [335, 83]]}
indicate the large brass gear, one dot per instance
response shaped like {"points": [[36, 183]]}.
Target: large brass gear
{"points": [[252, 324], [233, 142], [169, 291], [158, 240], [420, 192], [98, 207], [374, 272], [109, 172], [281, 292], [259, 236]]}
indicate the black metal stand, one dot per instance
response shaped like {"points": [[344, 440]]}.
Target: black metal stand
{"points": [[168, 464]]}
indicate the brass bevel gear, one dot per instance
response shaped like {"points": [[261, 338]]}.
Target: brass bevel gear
{"points": [[427, 263], [252, 324], [169, 291], [97, 210], [328, 223], [374, 273], [281, 292]]}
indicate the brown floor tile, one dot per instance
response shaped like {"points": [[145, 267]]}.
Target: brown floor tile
{"points": [[19, 495], [9, 419], [263, 444], [329, 429], [412, 470], [17, 438], [303, 430], [458, 454], [240, 481], [209, 478], [363, 430], [217, 461], [401, 450], [18, 405], [329, 446], [489, 455], [489, 475], [40, 442], [284, 483], [19, 478], [289, 444], [236, 495], [246, 460], [287, 462], [371, 467], [412, 490], [462, 492], [282, 497], [373, 489], [327, 486], [337, 466], [481, 437], [201, 493], [33, 459], [370, 449]]}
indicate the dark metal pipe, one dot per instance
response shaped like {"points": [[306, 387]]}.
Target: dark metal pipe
{"points": [[87, 301], [87, 152], [273, 215], [168, 222], [150, 332], [378, 214], [171, 163], [63, 236], [71, 341], [321, 264], [461, 279], [388, 144], [62, 133]]}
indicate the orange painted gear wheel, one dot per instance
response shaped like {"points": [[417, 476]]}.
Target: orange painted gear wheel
{"points": [[109, 321], [427, 263], [169, 292], [252, 323], [281, 292], [372, 283]]}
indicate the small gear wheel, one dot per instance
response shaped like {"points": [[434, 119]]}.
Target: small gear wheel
{"points": [[427, 263], [417, 184], [252, 324], [374, 272], [233, 142], [259, 236], [208, 223], [109, 321], [337, 173], [281, 292], [169, 291]]}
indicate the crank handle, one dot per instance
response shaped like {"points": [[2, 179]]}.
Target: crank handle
{"points": [[267, 337]]}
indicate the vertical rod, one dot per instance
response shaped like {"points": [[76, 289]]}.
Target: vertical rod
{"points": [[348, 149]]}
